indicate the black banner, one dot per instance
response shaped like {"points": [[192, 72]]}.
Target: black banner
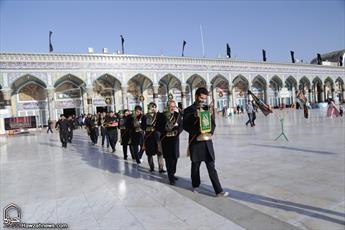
{"points": [[50, 42], [13, 123], [262, 106]]}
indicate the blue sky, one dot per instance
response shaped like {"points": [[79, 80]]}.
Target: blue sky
{"points": [[159, 27]]}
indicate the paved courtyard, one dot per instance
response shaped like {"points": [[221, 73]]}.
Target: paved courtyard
{"points": [[297, 184]]}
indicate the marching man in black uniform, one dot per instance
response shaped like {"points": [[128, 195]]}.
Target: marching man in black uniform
{"points": [[94, 130], [136, 133], [103, 129], [152, 143], [71, 128], [124, 131], [198, 121], [111, 124], [63, 126], [170, 126]]}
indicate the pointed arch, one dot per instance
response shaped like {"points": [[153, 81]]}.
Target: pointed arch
{"points": [[106, 84], [259, 82], [169, 84], [329, 81], [291, 82], [170, 81], [240, 79], [71, 78], [138, 84], [304, 83], [196, 81], [276, 83], [21, 81]]}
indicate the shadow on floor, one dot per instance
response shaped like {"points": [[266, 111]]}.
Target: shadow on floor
{"points": [[294, 149], [101, 158]]}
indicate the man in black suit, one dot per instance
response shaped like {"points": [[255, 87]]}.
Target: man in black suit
{"points": [[200, 143], [112, 124], [170, 127], [71, 128], [125, 132], [136, 133], [64, 129], [152, 145]]}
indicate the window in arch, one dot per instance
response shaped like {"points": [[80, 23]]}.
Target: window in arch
{"points": [[67, 90], [32, 92]]}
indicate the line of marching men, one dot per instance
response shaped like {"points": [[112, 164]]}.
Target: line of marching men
{"points": [[157, 134]]}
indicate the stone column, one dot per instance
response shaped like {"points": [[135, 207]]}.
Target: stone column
{"points": [[89, 96], [155, 94], [233, 97], [293, 93], [124, 97], [323, 93], [229, 97], [8, 102], [333, 93], [51, 104], [312, 93], [266, 94], [113, 102], [279, 101], [211, 97], [309, 95], [183, 96]]}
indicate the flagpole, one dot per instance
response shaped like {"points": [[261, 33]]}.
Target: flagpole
{"points": [[202, 41], [50, 42]]}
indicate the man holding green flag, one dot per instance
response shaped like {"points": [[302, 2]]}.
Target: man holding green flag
{"points": [[198, 121]]}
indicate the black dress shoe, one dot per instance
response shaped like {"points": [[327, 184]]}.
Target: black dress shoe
{"points": [[152, 170], [162, 171], [176, 178], [172, 182]]}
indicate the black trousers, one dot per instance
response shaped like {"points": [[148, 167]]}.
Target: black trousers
{"points": [[104, 136], [171, 163], [63, 139], [94, 135], [135, 152], [253, 117], [250, 119], [124, 150], [212, 172], [112, 135], [70, 136], [49, 129], [159, 159]]}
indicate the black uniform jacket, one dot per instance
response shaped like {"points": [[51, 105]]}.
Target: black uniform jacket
{"points": [[199, 150], [170, 144]]}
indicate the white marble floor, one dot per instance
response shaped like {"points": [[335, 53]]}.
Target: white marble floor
{"points": [[273, 184]]}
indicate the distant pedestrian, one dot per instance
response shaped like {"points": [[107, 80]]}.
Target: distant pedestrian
{"points": [[250, 111], [238, 109], [255, 109], [341, 110], [63, 127], [332, 110], [49, 126]]}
